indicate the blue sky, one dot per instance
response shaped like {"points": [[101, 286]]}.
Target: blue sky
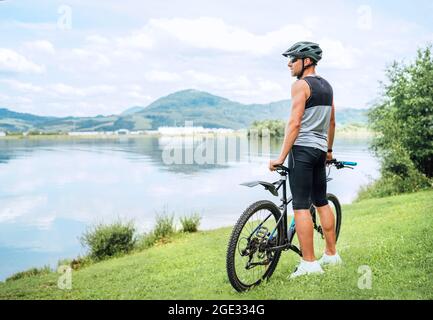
{"points": [[101, 57]]}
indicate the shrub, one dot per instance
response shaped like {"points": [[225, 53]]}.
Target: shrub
{"points": [[390, 184], [191, 223], [30, 273], [145, 241], [106, 241], [76, 263], [164, 226], [398, 175], [275, 128]]}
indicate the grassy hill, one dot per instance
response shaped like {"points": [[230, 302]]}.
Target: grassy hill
{"points": [[203, 108], [390, 235]]}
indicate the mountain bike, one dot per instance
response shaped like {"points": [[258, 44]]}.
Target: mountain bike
{"points": [[262, 232]]}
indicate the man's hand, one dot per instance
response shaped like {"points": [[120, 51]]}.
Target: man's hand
{"points": [[329, 156], [274, 163]]}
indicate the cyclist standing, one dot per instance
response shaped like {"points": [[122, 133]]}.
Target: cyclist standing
{"points": [[308, 144]]}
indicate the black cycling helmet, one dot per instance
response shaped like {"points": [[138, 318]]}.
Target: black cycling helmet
{"points": [[305, 49], [302, 50]]}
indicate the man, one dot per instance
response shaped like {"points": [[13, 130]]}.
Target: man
{"points": [[308, 143]]}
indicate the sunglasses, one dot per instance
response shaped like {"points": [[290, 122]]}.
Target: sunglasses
{"points": [[293, 59]]}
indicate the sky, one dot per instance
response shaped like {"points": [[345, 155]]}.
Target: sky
{"points": [[85, 58]]}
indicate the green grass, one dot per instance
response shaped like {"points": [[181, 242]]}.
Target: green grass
{"points": [[393, 236]]}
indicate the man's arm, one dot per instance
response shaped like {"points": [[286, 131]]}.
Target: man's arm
{"points": [[300, 93], [331, 132]]}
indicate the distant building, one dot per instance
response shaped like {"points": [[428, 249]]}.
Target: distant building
{"points": [[85, 133], [136, 132], [122, 132], [190, 130]]}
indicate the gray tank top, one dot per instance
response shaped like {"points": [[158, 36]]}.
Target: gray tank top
{"points": [[317, 114]]}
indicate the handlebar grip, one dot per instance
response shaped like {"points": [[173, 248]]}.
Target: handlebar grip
{"points": [[280, 166], [348, 163]]}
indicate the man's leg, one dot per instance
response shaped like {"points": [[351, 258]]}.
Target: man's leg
{"points": [[327, 221], [301, 180], [304, 229]]}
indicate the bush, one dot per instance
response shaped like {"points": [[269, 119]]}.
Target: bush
{"points": [[275, 128], [30, 273], [76, 263], [164, 226], [398, 175], [145, 241], [191, 223], [106, 241], [389, 185]]}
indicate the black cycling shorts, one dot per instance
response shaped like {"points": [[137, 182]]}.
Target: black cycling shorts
{"points": [[307, 177]]}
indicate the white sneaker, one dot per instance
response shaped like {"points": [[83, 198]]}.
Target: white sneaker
{"points": [[307, 267], [330, 260]]}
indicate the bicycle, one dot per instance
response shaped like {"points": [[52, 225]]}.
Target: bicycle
{"points": [[267, 235]]}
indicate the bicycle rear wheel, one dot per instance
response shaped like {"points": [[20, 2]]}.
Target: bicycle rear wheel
{"points": [[319, 239], [248, 261]]}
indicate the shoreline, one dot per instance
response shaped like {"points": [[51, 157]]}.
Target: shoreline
{"points": [[361, 133]]}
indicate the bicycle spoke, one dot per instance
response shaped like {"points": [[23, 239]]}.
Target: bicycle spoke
{"points": [[257, 272]]}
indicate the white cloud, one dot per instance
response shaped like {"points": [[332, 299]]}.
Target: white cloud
{"points": [[99, 90], [65, 89], [34, 26], [214, 33], [22, 86], [12, 61], [337, 55], [139, 96], [91, 57], [162, 76], [140, 39], [203, 78], [40, 45], [97, 39], [249, 89], [269, 86]]}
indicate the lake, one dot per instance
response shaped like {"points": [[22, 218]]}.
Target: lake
{"points": [[52, 189]]}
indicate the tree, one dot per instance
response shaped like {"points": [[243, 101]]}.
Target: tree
{"points": [[403, 118]]}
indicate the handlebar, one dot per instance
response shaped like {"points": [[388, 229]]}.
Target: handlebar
{"points": [[341, 164], [333, 162]]}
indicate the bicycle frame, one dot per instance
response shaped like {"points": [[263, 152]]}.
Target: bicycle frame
{"points": [[289, 232]]}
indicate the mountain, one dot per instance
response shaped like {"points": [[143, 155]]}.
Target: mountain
{"points": [[347, 115], [208, 110], [16, 121], [132, 110], [203, 108]]}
